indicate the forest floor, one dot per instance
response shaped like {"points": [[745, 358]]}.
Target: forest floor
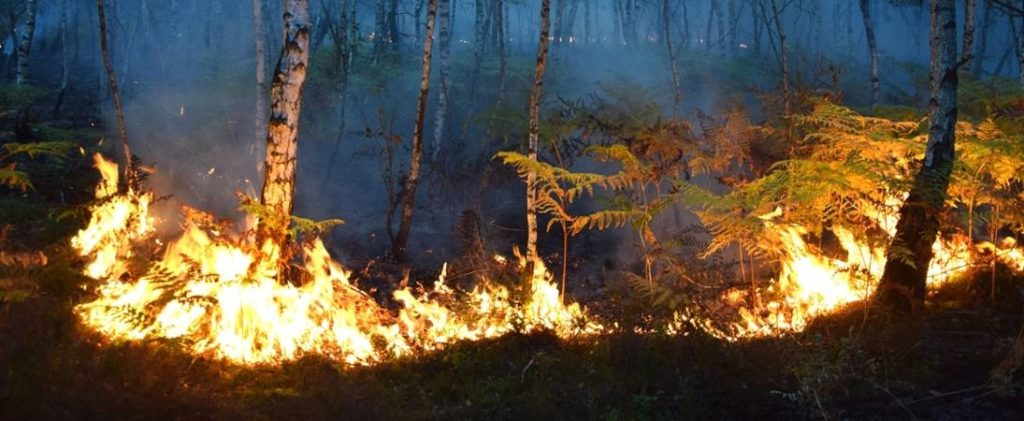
{"points": [[936, 366]]}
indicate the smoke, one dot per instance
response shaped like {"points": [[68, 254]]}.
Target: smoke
{"points": [[187, 68]]}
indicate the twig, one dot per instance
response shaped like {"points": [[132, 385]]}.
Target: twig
{"points": [[522, 375], [895, 399], [953, 393]]}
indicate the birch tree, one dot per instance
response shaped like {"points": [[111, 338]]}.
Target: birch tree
{"points": [[869, 31], [977, 68], [968, 49], [538, 83], [25, 42], [402, 238], [902, 287], [283, 125], [127, 175], [1020, 46], [499, 22], [445, 37], [65, 65], [666, 12], [479, 26], [261, 66]]}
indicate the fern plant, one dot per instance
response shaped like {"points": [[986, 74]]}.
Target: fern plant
{"points": [[11, 176]]}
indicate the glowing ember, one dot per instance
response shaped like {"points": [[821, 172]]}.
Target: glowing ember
{"points": [[222, 296]]}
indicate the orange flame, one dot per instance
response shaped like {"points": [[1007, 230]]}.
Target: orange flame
{"points": [[811, 284], [223, 298]]}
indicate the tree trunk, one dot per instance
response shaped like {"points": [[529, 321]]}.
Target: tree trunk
{"points": [[418, 12], [968, 49], [783, 60], [571, 21], [261, 69], [65, 66], [479, 27], [25, 43], [627, 22], [499, 21], [531, 178], [617, 36], [343, 44], [394, 33], [1020, 49], [711, 23], [666, 12], [869, 30], [559, 21], [380, 30], [586, 21], [979, 61], [757, 30], [720, 23], [445, 37], [902, 287], [398, 248], [283, 125], [127, 175], [733, 26]]}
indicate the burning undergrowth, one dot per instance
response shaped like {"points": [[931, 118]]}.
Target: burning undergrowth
{"points": [[223, 296], [218, 292]]}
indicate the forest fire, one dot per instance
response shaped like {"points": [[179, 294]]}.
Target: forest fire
{"points": [[222, 296], [812, 284]]}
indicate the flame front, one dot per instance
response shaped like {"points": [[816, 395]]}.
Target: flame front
{"points": [[811, 284], [223, 297]]}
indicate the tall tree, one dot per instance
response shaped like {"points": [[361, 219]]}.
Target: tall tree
{"points": [[380, 31], [1019, 37], [479, 26], [283, 124], [445, 37], [65, 65], [968, 49], [394, 32], [666, 12], [734, 21], [771, 14], [25, 43], [979, 60], [869, 31], [902, 287], [499, 22], [261, 66], [344, 50], [398, 248], [559, 21], [127, 175], [531, 178]]}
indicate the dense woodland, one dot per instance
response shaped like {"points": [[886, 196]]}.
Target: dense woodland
{"points": [[598, 209]]}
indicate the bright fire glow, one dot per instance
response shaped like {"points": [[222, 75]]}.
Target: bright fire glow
{"points": [[222, 296], [811, 284]]}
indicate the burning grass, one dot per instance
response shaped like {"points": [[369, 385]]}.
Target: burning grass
{"points": [[223, 295]]}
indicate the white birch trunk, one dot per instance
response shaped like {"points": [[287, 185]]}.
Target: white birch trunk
{"points": [[25, 42]]}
